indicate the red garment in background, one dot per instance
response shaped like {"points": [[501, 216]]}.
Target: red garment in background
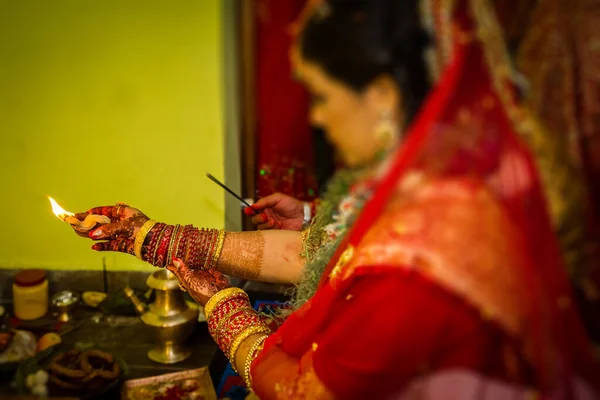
{"points": [[284, 158]]}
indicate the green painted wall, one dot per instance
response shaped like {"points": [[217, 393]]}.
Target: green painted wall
{"points": [[100, 102]]}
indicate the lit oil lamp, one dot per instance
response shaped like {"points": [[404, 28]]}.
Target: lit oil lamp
{"points": [[87, 224]]}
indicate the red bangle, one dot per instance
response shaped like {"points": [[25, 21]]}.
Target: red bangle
{"points": [[156, 244], [182, 244], [234, 326], [162, 249], [153, 240], [211, 247], [222, 311]]}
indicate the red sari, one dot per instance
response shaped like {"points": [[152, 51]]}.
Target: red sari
{"points": [[450, 283]]}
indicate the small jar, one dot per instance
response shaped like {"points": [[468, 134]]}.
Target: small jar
{"points": [[30, 294]]}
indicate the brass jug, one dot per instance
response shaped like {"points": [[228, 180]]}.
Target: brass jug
{"points": [[171, 316]]}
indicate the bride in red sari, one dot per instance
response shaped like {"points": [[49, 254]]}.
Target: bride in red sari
{"points": [[450, 282]]}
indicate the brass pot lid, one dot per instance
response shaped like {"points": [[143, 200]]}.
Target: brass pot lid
{"points": [[163, 279]]}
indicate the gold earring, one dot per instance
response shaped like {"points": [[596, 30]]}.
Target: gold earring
{"points": [[386, 130]]}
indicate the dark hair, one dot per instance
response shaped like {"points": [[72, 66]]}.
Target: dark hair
{"points": [[356, 41]]}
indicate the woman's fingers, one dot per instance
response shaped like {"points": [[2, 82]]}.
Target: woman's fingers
{"points": [[111, 231], [109, 211], [220, 279], [116, 213], [121, 246], [179, 264], [269, 201], [269, 224], [126, 229], [259, 219], [171, 267]]}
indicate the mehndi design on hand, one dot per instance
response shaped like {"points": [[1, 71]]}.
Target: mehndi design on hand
{"points": [[200, 284], [119, 235]]}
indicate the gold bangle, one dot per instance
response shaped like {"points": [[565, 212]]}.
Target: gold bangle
{"points": [[141, 236], [243, 335], [218, 297], [173, 239], [218, 250], [256, 348]]}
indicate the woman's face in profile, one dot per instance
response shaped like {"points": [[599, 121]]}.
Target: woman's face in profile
{"points": [[349, 118]]}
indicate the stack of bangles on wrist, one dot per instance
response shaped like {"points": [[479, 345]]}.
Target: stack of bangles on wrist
{"points": [[231, 320], [198, 248]]}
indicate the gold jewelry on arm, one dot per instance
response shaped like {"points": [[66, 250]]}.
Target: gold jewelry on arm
{"points": [[225, 319], [232, 322], [173, 240], [218, 249], [219, 297], [245, 335], [161, 233], [141, 236], [256, 348]]}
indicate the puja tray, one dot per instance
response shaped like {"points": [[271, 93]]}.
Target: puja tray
{"points": [[201, 375]]}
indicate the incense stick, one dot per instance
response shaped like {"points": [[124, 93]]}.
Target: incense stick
{"points": [[104, 275], [231, 192]]}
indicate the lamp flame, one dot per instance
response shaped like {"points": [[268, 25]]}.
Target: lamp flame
{"points": [[58, 210]]}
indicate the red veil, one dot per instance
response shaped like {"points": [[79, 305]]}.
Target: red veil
{"points": [[469, 128]]}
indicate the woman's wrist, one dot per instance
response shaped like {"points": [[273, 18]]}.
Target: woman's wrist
{"points": [[256, 344], [198, 248], [231, 320]]}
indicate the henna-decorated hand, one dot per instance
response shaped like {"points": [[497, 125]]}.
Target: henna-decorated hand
{"points": [[119, 235], [200, 284]]}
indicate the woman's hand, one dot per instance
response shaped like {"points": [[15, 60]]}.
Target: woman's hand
{"points": [[119, 235], [200, 284], [277, 211]]}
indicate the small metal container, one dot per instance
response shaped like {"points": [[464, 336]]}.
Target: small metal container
{"points": [[65, 302]]}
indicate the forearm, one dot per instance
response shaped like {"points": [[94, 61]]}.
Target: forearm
{"points": [[270, 256]]}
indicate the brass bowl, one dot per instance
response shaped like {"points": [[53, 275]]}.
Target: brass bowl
{"points": [[65, 302]]}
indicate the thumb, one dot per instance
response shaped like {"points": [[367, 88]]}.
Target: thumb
{"points": [[179, 265], [172, 268]]}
